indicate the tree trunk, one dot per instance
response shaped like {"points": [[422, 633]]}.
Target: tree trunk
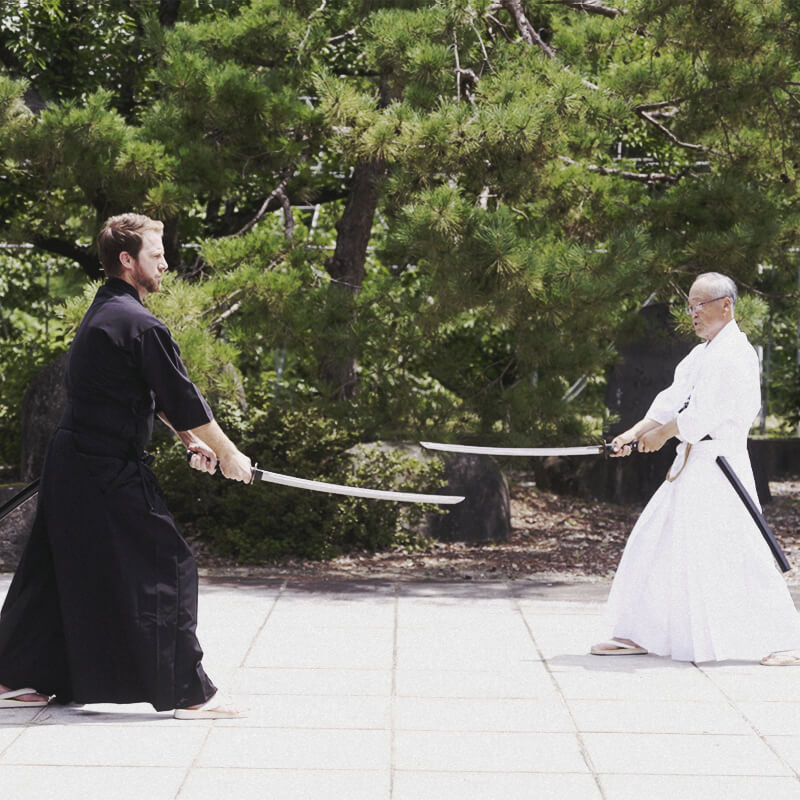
{"points": [[172, 249], [168, 12], [346, 268]]}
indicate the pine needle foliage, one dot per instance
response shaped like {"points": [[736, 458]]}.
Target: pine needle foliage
{"points": [[460, 204]]}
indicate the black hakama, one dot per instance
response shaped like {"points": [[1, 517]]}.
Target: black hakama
{"points": [[103, 606]]}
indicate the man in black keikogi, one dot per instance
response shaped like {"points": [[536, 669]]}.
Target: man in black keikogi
{"points": [[103, 606]]}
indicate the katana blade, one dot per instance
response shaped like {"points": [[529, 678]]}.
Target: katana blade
{"points": [[350, 491], [353, 491], [588, 450]]}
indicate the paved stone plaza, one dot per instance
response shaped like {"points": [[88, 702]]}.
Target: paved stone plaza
{"points": [[422, 691]]}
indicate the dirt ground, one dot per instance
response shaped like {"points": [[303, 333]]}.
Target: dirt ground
{"points": [[567, 537]]}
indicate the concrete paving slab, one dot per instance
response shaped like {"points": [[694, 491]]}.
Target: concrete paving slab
{"points": [[605, 684], [773, 718], [365, 648], [67, 782], [391, 690], [409, 785], [788, 748], [316, 713], [473, 714], [511, 681], [449, 649], [313, 682], [287, 748], [286, 784], [768, 684], [684, 754], [10, 732], [677, 787], [465, 751], [657, 716], [127, 745]]}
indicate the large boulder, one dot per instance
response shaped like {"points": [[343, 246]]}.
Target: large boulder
{"points": [[42, 407], [485, 513], [616, 480]]}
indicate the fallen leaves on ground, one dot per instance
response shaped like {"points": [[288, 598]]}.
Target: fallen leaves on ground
{"points": [[551, 534]]}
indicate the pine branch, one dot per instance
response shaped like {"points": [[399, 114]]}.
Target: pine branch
{"points": [[308, 29], [590, 7], [669, 134], [61, 247], [470, 77], [226, 301], [658, 106], [528, 33], [288, 217], [642, 177], [342, 36], [278, 192], [217, 323]]}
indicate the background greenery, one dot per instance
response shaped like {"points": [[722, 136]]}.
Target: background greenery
{"points": [[395, 220]]}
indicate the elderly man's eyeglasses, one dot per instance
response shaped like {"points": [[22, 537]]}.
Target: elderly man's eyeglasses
{"points": [[697, 306]]}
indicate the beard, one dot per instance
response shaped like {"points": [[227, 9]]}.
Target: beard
{"points": [[151, 284]]}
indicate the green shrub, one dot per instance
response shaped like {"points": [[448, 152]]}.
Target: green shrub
{"points": [[266, 522]]}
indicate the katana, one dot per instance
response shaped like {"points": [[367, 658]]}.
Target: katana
{"points": [[606, 449], [758, 517], [353, 491], [350, 491], [539, 452]]}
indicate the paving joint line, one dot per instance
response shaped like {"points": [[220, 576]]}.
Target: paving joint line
{"points": [[201, 747], [749, 723], [278, 596], [393, 691], [560, 692]]}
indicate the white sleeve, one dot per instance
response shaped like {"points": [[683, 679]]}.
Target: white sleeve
{"points": [[714, 399], [668, 402]]}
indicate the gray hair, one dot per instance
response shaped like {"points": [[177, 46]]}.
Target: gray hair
{"points": [[719, 285]]}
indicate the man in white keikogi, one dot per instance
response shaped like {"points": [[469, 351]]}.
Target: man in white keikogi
{"points": [[697, 582]]}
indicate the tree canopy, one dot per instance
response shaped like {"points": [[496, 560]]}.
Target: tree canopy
{"points": [[403, 217]]}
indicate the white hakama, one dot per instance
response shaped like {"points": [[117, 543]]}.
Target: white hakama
{"points": [[697, 582]]}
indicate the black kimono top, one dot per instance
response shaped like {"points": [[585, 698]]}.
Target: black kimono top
{"points": [[123, 367]]}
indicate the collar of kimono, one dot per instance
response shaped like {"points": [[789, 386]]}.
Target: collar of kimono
{"points": [[119, 286]]}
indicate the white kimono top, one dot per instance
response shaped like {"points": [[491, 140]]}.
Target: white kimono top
{"points": [[716, 390]]}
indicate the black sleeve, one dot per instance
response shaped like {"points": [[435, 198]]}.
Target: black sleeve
{"points": [[176, 396]]}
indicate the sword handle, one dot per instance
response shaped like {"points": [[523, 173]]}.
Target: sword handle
{"points": [[190, 453], [634, 446]]}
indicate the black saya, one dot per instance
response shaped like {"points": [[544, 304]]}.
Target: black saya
{"points": [[103, 606], [758, 517]]}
